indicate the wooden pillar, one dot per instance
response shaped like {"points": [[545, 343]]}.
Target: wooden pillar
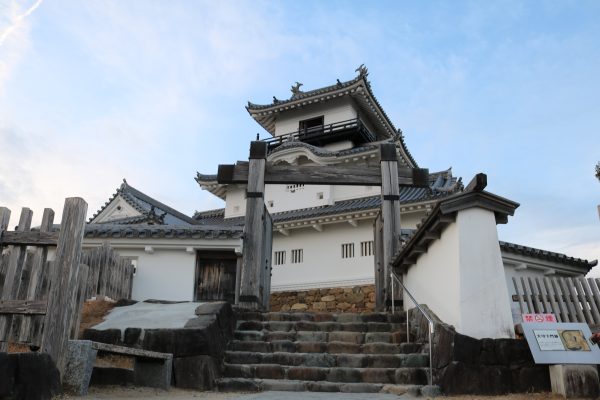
{"points": [[253, 262], [378, 263], [390, 210], [266, 269], [60, 304]]}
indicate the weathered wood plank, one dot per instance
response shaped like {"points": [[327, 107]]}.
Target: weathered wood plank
{"points": [[352, 175], [111, 348], [26, 307], [581, 299], [12, 280], [250, 296], [535, 295], [596, 292], [68, 250], [37, 324], [390, 210], [565, 311], [544, 295], [378, 263], [519, 296], [572, 299], [590, 299], [267, 255], [560, 317], [82, 274], [527, 293], [29, 238], [34, 289]]}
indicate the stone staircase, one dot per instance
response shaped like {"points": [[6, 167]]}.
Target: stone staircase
{"points": [[323, 352]]}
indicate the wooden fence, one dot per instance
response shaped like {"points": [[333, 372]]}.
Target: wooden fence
{"points": [[110, 275], [569, 299], [41, 299]]}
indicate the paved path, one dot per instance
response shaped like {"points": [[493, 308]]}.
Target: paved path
{"points": [[135, 393]]}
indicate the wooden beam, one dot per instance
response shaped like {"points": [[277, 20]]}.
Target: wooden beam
{"points": [[251, 276], [477, 184], [27, 307], [319, 175], [29, 238]]}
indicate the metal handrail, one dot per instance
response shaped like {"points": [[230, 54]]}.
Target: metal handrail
{"points": [[431, 323], [308, 133]]}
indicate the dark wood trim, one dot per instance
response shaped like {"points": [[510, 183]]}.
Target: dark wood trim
{"points": [[318, 175], [28, 238], [477, 184]]}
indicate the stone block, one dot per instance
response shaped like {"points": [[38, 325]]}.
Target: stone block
{"points": [[306, 326], [311, 347], [307, 373], [374, 317], [109, 336], [283, 345], [380, 348], [575, 381], [257, 346], [319, 360], [430, 391], [415, 376], [272, 336], [348, 337], [466, 349], [344, 375], [184, 342], [21, 369], [463, 378], [153, 372], [268, 371], [531, 379], [323, 387], [234, 357], [378, 337], [309, 336], [384, 361], [79, 367], [112, 376], [198, 372], [352, 360], [299, 307], [131, 336], [343, 347], [378, 375]]}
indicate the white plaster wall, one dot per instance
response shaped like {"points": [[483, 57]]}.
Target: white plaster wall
{"points": [[435, 279], [323, 265], [462, 278], [164, 274], [235, 201], [292, 199], [484, 303], [344, 192], [333, 111]]}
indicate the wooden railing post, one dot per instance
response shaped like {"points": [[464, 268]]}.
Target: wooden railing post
{"points": [[60, 305], [378, 263], [4, 220], [390, 209], [250, 279]]}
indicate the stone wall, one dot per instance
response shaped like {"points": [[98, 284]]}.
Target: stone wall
{"points": [[465, 365], [350, 299]]}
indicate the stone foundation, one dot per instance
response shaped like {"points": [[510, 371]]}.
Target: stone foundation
{"points": [[349, 299]]}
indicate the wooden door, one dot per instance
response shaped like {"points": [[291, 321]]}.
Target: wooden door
{"points": [[215, 276]]}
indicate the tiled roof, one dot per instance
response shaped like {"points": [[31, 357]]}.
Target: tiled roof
{"points": [[264, 113], [442, 185], [546, 255], [151, 210], [162, 231]]}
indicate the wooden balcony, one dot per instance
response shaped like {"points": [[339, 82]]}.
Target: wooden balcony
{"points": [[352, 129]]}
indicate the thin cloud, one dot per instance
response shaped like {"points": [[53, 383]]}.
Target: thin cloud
{"points": [[18, 22]]}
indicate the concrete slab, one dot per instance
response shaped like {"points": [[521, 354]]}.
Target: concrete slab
{"points": [[149, 316]]}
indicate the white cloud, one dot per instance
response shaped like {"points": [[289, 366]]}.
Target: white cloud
{"points": [[14, 36]]}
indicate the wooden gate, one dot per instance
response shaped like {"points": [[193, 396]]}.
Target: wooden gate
{"points": [[215, 276], [254, 278]]}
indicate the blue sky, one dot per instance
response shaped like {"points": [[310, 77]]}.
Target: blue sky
{"points": [[94, 92]]}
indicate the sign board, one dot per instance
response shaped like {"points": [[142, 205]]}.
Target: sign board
{"points": [[561, 343], [539, 318]]}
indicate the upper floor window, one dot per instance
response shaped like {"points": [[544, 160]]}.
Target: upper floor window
{"points": [[347, 250], [279, 257], [311, 125], [366, 248], [297, 256]]}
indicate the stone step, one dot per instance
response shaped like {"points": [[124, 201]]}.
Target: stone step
{"points": [[325, 360], [256, 385], [290, 326], [396, 337], [244, 315], [402, 376], [288, 346]]}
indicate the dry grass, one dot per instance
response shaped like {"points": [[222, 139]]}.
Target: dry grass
{"points": [[93, 313]]}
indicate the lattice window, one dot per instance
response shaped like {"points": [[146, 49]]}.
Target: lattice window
{"points": [[347, 250], [297, 256], [279, 257], [366, 248], [294, 188]]}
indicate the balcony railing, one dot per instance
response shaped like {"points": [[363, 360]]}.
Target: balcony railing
{"points": [[352, 129]]}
